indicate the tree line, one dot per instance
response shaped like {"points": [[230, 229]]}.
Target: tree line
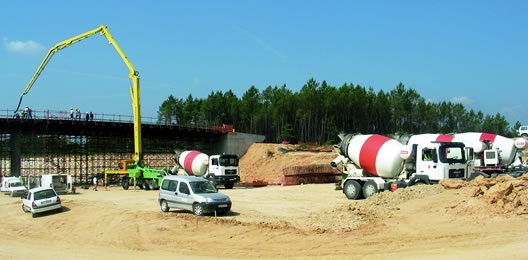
{"points": [[318, 112]]}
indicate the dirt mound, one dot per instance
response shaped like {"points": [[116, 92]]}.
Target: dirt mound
{"points": [[501, 195], [368, 212], [265, 163]]}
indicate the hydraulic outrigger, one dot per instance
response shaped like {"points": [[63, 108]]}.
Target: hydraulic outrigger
{"points": [[135, 168]]}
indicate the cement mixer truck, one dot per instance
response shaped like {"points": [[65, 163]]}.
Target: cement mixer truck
{"points": [[222, 169], [495, 154], [373, 163], [486, 153]]}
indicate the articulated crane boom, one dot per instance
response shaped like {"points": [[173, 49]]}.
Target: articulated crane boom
{"points": [[133, 75]]}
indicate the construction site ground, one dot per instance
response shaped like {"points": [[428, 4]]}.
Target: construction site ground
{"points": [[305, 221]]}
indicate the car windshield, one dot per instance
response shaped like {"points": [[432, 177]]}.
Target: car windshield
{"points": [[44, 194], [202, 187], [16, 184]]}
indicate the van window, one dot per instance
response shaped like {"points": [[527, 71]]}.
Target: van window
{"points": [[172, 185], [184, 188], [165, 185]]}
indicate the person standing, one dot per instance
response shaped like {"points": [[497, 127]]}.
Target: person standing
{"points": [[95, 183], [87, 116], [91, 116], [77, 114], [71, 113]]}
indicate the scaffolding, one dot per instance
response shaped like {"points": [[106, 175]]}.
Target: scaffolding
{"points": [[83, 156]]}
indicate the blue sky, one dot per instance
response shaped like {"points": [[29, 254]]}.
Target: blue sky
{"points": [[473, 52]]}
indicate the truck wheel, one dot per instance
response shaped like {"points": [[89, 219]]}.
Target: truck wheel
{"points": [[164, 206], [229, 185], [146, 185], [352, 189], [125, 183], [370, 188], [524, 135], [197, 209]]}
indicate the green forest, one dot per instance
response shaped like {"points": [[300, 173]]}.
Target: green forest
{"points": [[319, 111]]}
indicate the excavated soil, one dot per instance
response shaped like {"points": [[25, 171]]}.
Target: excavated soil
{"points": [[265, 163]]}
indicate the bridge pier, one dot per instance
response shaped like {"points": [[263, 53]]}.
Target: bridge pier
{"points": [[15, 154]]}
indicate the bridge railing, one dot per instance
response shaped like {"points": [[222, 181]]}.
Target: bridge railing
{"points": [[98, 117]]}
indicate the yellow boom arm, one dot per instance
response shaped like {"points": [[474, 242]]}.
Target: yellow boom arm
{"points": [[133, 75]]}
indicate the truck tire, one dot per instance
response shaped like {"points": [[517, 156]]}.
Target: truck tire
{"points": [[229, 185], [125, 183], [352, 189], [146, 185], [524, 135], [197, 209], [164, 206], [370, 188]]}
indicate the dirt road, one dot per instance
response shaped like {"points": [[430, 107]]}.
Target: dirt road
{"points": [[308, 221]]}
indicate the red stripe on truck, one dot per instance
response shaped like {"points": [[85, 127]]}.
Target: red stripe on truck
{"points": [[489, 137], [187, 162], [444, 138], [369, 153]]}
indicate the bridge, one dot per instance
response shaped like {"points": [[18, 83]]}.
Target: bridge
{"points": [[52, 141]]}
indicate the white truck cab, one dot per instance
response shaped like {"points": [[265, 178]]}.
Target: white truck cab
{"points": [[12, 186], [224, 168], [440, 161]]}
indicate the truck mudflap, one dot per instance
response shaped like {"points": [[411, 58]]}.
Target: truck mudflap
{"points": [[222, 179]]}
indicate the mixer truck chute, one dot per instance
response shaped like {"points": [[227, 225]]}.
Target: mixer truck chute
{"points": [[373, 163], [222, 169]]}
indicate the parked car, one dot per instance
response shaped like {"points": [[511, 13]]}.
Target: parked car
{"points": [[40, 200], [12, 186], [192, 193]]}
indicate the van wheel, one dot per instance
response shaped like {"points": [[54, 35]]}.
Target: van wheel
{"points": [[352, 189], [229, 185], [370, 188], [164, 206], [197, 209]]}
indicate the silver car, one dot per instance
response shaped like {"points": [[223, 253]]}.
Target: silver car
{"points": [[192, 193]]}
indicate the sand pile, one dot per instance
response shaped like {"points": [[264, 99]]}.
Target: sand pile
{"points": [[503, 194], [365, 212], [265, 163]]}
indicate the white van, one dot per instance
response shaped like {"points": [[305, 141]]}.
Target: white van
{"points": [[12, 186], [192, 193]]}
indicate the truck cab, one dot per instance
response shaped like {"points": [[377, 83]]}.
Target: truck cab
{"points": [[437, 161], [224, 169]]}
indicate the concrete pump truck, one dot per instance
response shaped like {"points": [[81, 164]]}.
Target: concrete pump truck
{"points": [[134, 170]]}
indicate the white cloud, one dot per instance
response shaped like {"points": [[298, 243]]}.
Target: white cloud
{"points": [[24, 47], [461, 100]]}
